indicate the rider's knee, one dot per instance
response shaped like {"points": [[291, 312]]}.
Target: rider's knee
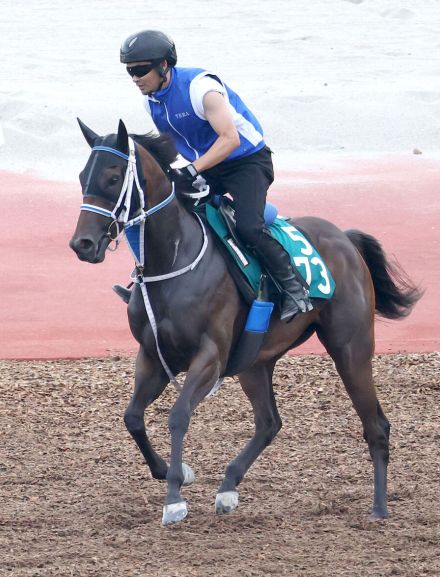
{"points": [[249, 235]]}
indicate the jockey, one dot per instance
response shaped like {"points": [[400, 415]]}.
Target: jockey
{"points": [[222, 140]]}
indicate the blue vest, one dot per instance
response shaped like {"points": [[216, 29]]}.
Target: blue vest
{"points": [[173, 113]]}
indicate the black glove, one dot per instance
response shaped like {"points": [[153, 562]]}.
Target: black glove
{"points": [[184, 177]]}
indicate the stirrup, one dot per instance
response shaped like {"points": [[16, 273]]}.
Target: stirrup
{"points": [[305, 304], [290, 306], [122, 292]]}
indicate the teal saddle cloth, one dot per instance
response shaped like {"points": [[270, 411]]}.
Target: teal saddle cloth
{"points": [[303, 255]]}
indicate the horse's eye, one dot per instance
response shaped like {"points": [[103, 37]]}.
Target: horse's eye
{"points": [[114, 179]]}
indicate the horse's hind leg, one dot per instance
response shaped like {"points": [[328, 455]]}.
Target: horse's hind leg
{"points": [[353, 363], [150, 381], [256, 383], [383, 420]]}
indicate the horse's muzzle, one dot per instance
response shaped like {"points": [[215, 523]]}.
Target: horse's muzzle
{"points": [[88, 249]]}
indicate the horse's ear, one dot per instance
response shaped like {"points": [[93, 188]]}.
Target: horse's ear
{"points": [[89, 135], [122, 141]]}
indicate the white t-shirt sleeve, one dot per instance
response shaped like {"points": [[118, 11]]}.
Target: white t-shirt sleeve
{"points": [[200, 86]]}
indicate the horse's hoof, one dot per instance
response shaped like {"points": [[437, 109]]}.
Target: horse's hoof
{"points": [[226, 502], [188, 475], [377, 515], [174, 513]]}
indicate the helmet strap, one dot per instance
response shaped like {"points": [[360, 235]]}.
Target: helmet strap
{"points": [[162, 74]]}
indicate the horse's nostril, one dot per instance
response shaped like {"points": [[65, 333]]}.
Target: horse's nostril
{"points": [[85, 244], [82, 245]]}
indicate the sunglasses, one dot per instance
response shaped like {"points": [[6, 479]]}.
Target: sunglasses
{"points": [[140, 70]]}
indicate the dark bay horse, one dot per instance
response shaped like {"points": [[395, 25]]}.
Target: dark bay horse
{"points": [[200, 315]]}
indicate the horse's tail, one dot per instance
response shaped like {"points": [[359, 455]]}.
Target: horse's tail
{"points": [[395, 293]]}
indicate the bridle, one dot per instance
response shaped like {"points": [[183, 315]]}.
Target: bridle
{"points": [[121, 211], [134, 229], [119, 215]]}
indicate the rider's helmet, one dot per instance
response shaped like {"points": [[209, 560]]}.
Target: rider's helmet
{"points": [[149, 45]]}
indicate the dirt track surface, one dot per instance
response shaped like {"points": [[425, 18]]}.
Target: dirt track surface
{"points": [[78, 500]]}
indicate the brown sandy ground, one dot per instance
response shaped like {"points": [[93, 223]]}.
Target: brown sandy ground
{"points": [[76, 498]]}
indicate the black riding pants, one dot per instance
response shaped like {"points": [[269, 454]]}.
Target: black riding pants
{"points": [[246, 180]]}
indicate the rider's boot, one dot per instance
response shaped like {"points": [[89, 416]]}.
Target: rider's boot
{"points": [[294, 297], [122, 292]]}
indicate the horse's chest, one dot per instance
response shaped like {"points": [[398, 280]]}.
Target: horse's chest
{"points": [[177, 325]]}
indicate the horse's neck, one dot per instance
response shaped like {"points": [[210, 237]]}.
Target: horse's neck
{"points": [[172, 238]]}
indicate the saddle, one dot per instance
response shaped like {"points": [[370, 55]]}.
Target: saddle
{"points": [[249, 289], [243, 265], [228, 213]]}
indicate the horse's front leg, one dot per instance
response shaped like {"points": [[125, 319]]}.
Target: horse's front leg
{"points": [[150, 382], [202, 374]]}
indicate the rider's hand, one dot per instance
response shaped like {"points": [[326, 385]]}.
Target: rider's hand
{"points": [[184, 177]]}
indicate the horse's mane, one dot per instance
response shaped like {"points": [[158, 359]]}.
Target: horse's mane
{"points": [[160, 146], [163, 150]]}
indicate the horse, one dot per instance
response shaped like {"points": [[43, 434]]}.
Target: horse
{"points": [[199, 315]]}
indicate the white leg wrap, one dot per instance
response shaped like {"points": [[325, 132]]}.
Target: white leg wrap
{"points": [[188, 475], [174, 513], [226, 502]]}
